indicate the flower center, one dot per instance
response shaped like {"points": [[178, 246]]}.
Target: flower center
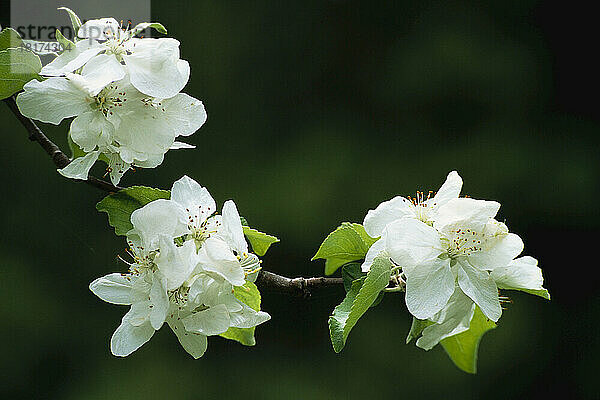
{"points": [[109, 98]]}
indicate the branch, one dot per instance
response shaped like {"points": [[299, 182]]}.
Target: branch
{"points": [[297, 287], [59, 158]]}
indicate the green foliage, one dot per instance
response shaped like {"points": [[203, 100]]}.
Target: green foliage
{"points": [[249, 295], [17, 67], [362, 295], [350, 273], [9, 38], [260, 241], [65, 44], [120, 205], [349, 242], [75, 21], [144, 25], [416, 328], [462, 348]]}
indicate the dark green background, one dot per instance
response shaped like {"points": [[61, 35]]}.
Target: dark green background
{"points": [[318, 111]]}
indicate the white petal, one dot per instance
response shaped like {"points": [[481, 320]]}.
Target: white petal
{"points": [[52, 100], [497, 252], [73, 59], [100, 29], [216, 256], [521, 274], [428, 287], [80, 167], [411, 242], [159, 300], [388, 211], [465, 211], [481, 288], [212, 321], [248, 318], [376, 249], [194, 343], [190, 195], [128, 338], [155, 67], [176, 263], [113, 288], [207, 290], [448, 191], [98, 73], [160, 217], [181, 145], [232, 231], [184, 114], [91, 130], [117, 167], [453, 319]]}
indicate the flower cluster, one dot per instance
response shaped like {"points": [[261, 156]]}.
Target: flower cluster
{"points": [[452, 255], [186, 261], [124, 93]]}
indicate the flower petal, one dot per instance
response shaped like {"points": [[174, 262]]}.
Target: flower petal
{"points": [[113, 288], [52, 100], [465, 211], [481, 288], [453, 319], [73, 58], [247, 317], [376, 249], [155, 67], [80, 167], [213, 321], [91, 130], [196, 199], [232, 231], [388, 211], [521, 274], [98, 73], [448, 191], [497, 252], [411, 242], [176, 263], [160, 217], [99, 29], [194, 343], [128, 338], [428, 287], [184, 114], [216, 256], [159, 301]]}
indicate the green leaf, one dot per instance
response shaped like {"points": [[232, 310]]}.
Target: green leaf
{"points": [[349, 242], [350, 273], [9, 38], [462, 348], [144, 25], [17, 67], [260, 241], [361, 296], [75, 21], [120, 205], [249, 295], [65, 44], [416, 328]]}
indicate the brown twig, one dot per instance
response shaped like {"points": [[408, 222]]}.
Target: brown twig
{"points": [[59, 158], [297, 287]]}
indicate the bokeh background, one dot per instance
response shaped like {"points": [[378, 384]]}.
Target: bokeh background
{"points": [[318, 111]]}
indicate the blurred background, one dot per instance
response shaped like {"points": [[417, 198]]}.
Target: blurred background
{"points": [[318, 111]]}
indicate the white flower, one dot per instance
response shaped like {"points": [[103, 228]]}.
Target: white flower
{"points": [[421, 208], [112, 117], [154, 64], [190, 213], [454, 260]]}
